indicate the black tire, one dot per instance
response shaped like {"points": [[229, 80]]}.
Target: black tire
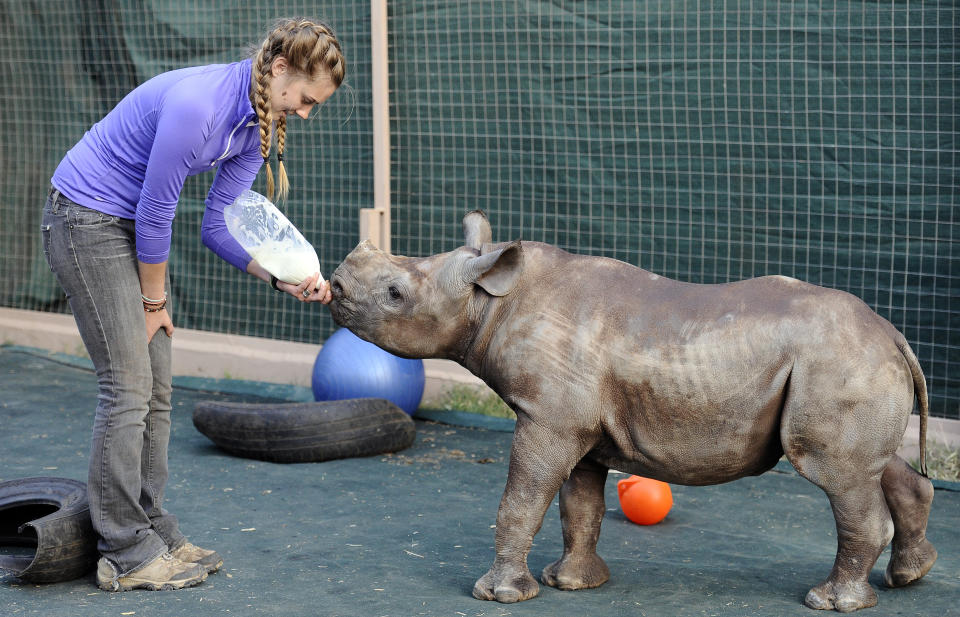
{"points": [[305, 432], [52, 516]]}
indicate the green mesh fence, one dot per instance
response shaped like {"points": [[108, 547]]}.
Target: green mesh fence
{"points": [[69, 62], [706, 141]]}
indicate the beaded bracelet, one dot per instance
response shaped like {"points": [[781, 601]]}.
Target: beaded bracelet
{"points": [[147, 300], [154, 306]]}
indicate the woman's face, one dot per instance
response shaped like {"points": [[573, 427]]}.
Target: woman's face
{"points": [[295, 94]]}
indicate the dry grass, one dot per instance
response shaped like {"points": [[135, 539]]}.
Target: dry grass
{"points": [[474, 400], [943, 462]]}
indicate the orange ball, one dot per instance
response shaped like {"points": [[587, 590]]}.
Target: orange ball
{"points": [[644, 501]]}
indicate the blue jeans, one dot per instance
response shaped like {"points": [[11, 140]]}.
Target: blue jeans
{"points": [[94, 258]]}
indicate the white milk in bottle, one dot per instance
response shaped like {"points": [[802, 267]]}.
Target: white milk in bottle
{"points": [[266, 234]]}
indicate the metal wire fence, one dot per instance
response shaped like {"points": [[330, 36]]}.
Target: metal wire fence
{"points": [[706, 141]]}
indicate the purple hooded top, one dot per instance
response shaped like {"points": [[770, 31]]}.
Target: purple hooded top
{"points": [[132, 164]]}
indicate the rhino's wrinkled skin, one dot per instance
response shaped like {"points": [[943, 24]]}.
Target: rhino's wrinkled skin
{"points": [[608, 366]]}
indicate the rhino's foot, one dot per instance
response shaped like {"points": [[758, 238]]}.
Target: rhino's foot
{"points": [[583, 572], [844, 597], [506, 586], [908, 564]]}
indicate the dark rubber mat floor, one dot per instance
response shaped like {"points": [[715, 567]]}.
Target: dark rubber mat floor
{"points": [[407, 534]]}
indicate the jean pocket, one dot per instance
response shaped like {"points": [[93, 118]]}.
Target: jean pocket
{"points": [[80, 216]]}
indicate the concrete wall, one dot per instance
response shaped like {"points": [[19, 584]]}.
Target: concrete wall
{"points": [[205, 354]]}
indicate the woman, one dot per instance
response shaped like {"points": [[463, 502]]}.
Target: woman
{"points": [[107, 226]]}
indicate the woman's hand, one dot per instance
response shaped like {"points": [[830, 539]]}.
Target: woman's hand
{"points": [[305, 291], [157, 320], [321, 294], [152, 285]]}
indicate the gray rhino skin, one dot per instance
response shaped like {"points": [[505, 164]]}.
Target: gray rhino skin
{"points": [[608, 366]]}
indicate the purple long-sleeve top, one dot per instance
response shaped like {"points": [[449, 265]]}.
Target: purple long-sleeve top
{"points": [[132, 164]]}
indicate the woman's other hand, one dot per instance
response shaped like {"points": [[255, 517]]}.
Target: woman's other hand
{"points": [[157, 320]]}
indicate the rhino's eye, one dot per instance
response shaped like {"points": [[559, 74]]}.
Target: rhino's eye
{"points": [[394, 293]]}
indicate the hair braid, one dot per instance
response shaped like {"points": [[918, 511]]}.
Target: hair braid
{"points": [[261, 102], [283, 183], [311, 48], [327, 53]]}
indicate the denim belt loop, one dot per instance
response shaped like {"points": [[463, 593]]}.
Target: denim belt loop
{"points": [[55, 200]]}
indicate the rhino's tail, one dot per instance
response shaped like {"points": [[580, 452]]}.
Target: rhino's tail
{"points": [[920, 390]]}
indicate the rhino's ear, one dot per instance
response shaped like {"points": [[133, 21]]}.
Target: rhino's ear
{"points": [[476, 229], [497, 272]]}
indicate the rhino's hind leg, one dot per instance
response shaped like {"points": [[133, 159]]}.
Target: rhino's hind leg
{"points": [[909, 496], [863, 530], [581, 512]]}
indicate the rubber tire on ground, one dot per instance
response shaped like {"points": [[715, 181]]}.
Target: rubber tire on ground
{"points": [[51, 515], [305, 432]]}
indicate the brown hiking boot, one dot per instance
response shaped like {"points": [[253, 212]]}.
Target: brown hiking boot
{"points": [[164, 573], [210, 561]]}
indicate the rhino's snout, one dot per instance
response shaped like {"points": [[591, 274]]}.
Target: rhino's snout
{"points": [[348, 299]]}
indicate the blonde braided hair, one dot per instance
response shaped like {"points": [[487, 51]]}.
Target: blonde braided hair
{"points": [[309, 47]]}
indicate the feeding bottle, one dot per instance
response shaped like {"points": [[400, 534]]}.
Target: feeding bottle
{"points": [[266, 234]]}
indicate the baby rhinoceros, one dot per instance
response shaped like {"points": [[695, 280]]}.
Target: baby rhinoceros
{"points": [[608, 366]]}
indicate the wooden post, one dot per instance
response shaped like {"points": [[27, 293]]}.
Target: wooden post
{"points": [[375, 222], [375, 226]]}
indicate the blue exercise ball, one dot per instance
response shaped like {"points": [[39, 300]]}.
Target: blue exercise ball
{"points": [[350, 367]]}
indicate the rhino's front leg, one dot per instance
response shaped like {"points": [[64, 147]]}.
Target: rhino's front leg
{"points": [[540, 461], [581, 512]]}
